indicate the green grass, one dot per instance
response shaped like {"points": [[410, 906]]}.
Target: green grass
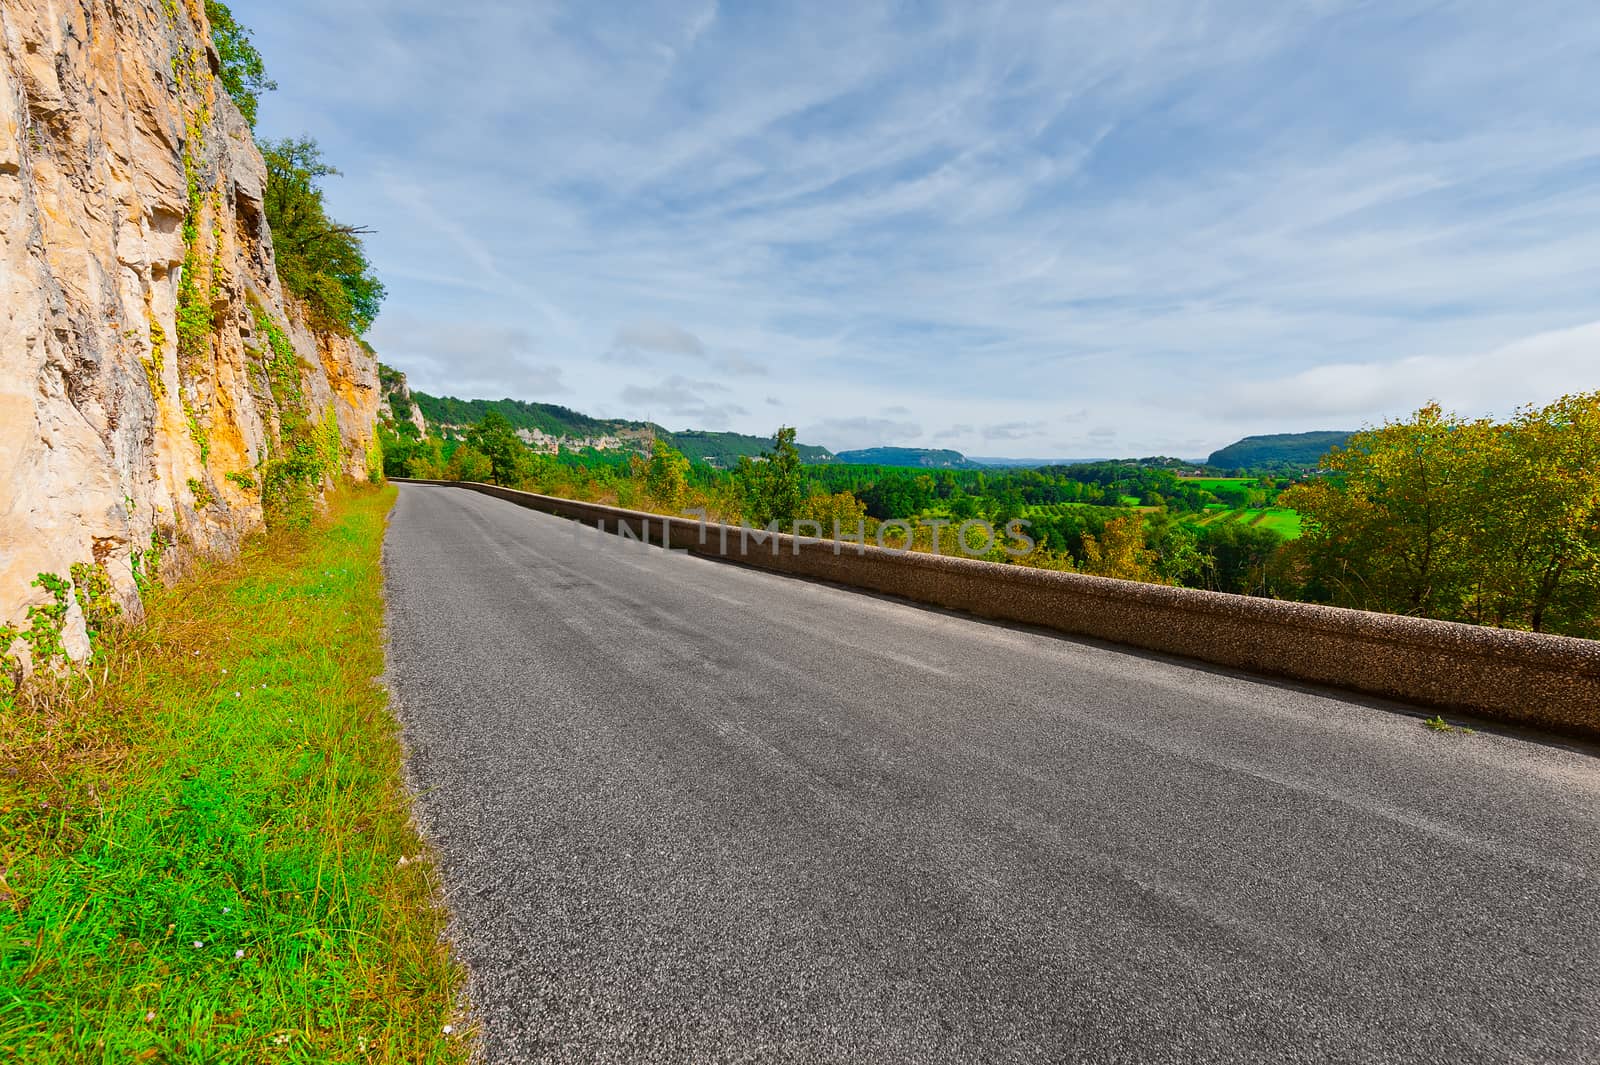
{"points": [[205, 842]]}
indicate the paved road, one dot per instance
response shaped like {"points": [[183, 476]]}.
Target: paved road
{"points": [[695, 813]]}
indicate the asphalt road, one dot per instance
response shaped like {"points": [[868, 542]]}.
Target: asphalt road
{"points": [[690, 812]]}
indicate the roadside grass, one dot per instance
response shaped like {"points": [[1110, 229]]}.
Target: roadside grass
{"points": [[206, 851]]}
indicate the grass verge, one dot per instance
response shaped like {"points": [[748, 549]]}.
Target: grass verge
{"points": [[206, 851]]}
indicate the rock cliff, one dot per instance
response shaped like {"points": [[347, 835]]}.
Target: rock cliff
{"points": [[157, 386]]}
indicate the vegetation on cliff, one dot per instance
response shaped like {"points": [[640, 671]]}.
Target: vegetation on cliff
{"points": [[320, 260], [243, 74], [206, 851]]}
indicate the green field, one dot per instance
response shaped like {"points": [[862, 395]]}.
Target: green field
{"points": [[1281, 520], [1211, 484]]}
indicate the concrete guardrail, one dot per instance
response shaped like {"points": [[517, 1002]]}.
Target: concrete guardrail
{"points": [[1523, 678]]}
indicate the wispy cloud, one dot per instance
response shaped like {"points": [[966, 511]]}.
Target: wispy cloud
{"points": [[693, 404], [842, 434], [1231, 219]]}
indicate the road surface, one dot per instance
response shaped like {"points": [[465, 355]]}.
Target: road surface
{"points": [[691, 812]]}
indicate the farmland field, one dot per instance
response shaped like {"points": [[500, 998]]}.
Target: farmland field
{"points": [[1211, 484], [1281, 520]]}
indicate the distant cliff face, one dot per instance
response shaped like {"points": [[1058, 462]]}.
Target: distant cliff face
{"points": [[151, 367], [398, 399]]}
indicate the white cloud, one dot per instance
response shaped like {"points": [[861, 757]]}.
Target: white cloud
{"points": [[659, 336], [1533, 370], [844, 434], [685, 399]]}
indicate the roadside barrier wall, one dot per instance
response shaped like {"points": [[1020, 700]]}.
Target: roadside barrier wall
{"points": [[1524, 678]]}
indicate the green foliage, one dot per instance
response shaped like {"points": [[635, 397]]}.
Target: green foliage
{"points": [[243, 480], [312, 456], [10, 668], [497, 441], [666, 475], [197, 432], [467, 463], [319, 260], [194, 319], [1240, 557], [92, 587], [375, 462], [1465, 520], [146, 564], [47, 621], [283, 371], [244, 75], [774, 488], [201, 492]]}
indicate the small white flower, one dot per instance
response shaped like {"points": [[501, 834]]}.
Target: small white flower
{"points": [[226, 910], [150, 1016], [449, 1028], [224, 671], [404, 861], [198, 944], [238, 954], [236, 695]]}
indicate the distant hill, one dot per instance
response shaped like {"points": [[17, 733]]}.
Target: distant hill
{"points": [[725, 449], [714, 449], [545, 417], [912, 457], [1278, 449]]}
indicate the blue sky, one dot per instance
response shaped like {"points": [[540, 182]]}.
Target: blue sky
{"points": [[1033, 229]]}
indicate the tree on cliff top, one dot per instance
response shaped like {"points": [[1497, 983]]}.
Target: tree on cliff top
{"points": [[319, 260], [243, 75]]}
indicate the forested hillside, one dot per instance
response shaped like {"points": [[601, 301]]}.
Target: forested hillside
{"points": [[1276, 450], [722, 450], [912, 457]]}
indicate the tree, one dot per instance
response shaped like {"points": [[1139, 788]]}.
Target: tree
{"points": [[1119, 551], [1542, 527], [666, 476], [243, 74], [774, 487], [467, 463], [497, 441], [1387, 527], [1239, 556], [831, 510], [319, 260], [1472, 521]]}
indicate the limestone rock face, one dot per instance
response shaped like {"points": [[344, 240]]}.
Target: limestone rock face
{"points": [[151, 366], [401, 406]]}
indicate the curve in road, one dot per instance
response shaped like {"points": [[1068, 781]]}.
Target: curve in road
{"points": [[689, 811]]}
